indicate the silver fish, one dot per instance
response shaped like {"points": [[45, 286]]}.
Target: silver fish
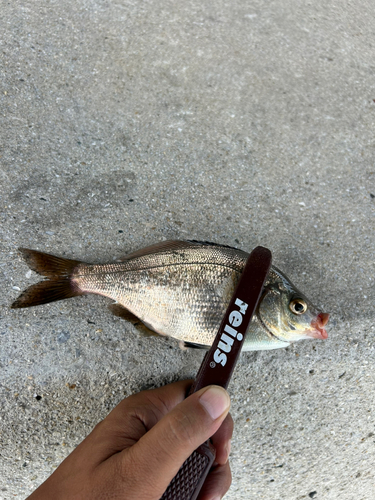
{"points": [[181, 289]]}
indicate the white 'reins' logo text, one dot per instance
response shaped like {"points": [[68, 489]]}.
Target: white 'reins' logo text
{"points": [[226, 341]]}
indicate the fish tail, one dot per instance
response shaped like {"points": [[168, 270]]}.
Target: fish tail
{"points": [[59, 284]]}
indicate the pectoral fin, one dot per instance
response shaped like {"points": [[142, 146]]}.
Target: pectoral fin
{"points": [[192, 345]]}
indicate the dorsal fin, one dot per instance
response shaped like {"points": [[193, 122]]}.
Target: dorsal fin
{"points": [[211, 244], [219, 245], [159, 247]]}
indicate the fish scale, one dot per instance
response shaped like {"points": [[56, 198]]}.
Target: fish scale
{"points": [[169, 298]]}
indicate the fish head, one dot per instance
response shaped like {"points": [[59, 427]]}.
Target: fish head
{"points": [[288, 314]]}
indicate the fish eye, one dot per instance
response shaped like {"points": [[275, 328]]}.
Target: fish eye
{"points": [[298, 306]]}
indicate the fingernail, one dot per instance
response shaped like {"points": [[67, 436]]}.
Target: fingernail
{"points": [[216, 401]]}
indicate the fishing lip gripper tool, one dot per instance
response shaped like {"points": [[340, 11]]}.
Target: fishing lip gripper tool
{"points": [[218, 365]]}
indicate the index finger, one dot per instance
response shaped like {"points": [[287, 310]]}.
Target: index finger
{"points": [[130, 420]]}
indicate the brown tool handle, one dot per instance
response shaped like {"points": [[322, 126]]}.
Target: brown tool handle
{"points": [[218, 365]]}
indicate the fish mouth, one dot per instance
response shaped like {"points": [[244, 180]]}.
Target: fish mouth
{"points": [[318, 331]]}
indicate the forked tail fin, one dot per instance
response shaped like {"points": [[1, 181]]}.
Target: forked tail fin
{"points": [[59, 284]]}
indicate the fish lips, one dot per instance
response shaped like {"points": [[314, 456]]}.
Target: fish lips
{"points": [[317, 330]]}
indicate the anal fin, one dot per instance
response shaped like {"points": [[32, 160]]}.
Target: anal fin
{"points": [[121, 312]]}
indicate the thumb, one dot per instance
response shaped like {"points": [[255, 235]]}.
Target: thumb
{"points": [[161, 451]]}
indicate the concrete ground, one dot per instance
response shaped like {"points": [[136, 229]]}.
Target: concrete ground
{"points": [[124, 123]]}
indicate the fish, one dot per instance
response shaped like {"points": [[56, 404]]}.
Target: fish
{"points": [[180, 289]]}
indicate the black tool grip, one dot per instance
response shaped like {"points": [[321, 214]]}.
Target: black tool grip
{"points": [[218, 365], [189, 480]]}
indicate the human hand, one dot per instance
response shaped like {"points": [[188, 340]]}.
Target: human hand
{"points": [[135, 452]]}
